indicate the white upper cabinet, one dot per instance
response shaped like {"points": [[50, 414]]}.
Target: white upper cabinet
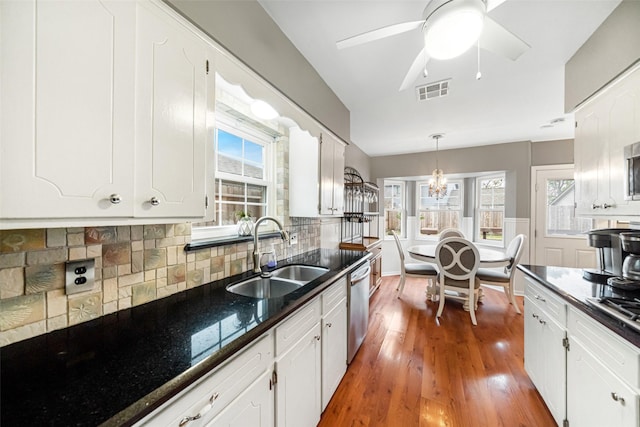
{"points": [[604, 126], [171, 116], [67, 108], [316, 174], [331, 175]]}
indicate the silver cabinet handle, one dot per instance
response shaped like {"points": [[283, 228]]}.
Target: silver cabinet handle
{"points": [[617, 398], [542, 322], [535, 316], [115, 198], [317, 337], [606, 206], [594, 206], [328, 325], [154, 201], [539, 298], [207, 408]]}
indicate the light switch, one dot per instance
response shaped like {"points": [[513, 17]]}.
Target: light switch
{"points": [[80, 276]]}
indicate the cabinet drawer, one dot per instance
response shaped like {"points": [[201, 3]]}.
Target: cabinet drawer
{"points": [[332, 297], [291, 330], [220, 387], [546, 300], [615, 353]]}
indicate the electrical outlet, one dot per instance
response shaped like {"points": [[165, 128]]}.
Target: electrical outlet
{"points": [[80, 276], [293, 239]]}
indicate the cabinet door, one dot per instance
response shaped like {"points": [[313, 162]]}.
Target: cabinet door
{"points": [[334, 350], [67, 123], [252, 408], [171, 107], [545, 357], [587, 153], [298, 396], [303, 173], [331, 176], [597, 397]]}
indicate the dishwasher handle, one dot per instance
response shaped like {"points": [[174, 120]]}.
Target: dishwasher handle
{"points": [[360, 274]]}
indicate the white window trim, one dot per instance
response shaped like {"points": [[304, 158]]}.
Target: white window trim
{"points": [[403, 211], [434, 237], [476, 213], [226, 231]]}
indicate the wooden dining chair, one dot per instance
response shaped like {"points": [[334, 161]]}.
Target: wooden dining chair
{"points": [[458, 260], [417, 269], [504, 276]]}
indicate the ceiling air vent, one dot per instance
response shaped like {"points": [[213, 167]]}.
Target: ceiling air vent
{"points": [[433, 90]]}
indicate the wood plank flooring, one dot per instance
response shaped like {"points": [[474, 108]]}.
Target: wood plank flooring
{"points": [[414, 371]]}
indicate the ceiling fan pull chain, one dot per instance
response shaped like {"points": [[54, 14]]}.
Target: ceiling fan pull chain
{"points": [[478, 74]]}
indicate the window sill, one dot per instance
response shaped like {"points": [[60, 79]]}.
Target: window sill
{"points": [[212, 243]]}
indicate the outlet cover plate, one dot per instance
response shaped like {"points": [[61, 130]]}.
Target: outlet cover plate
{"points": [[293, 239], [80, 276]]}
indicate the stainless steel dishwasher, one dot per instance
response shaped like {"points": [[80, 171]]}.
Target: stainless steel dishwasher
{"points": [[358, 301]]}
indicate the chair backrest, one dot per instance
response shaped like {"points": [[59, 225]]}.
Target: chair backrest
{"points": [[457, 258], [400, 250], [450, 232], [515, 250]]}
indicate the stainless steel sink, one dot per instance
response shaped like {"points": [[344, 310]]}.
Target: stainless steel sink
{"points": [[302, 273], [265, 287], [283, 281]]}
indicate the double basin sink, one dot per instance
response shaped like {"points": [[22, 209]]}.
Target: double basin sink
{"points": [[282, 281]]}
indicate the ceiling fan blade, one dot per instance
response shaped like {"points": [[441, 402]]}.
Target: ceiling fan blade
{"points": [[497, 39], [492, 4], [415, 70], [378, 34]]}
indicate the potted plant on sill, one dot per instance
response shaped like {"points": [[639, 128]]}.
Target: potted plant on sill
{"points": [[245, 223]]}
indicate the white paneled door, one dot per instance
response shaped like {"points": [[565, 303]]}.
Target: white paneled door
{"points": [[559, 236]]}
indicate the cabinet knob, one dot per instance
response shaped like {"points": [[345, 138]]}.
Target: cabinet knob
{"points": [[617, 398], [328, 325], [154, 201], [606, 206], [115, 199], [317, 337]]}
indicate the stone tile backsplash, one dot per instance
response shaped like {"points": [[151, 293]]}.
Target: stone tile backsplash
{"points": [[134, 265]]}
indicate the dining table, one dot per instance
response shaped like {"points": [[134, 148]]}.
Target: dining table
{"points": [[489, 257]]}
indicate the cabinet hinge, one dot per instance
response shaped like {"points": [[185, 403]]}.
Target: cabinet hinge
{"points": [[206, 202], [576, 124], [565, 343], [565, 423], [274, 380], [536, 188], [535, 233], [207, 66]]}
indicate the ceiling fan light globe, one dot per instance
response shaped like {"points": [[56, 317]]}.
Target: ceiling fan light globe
{"points": [[453, 28]]}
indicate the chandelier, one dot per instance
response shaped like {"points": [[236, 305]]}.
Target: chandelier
{"points": [[438, 183]]}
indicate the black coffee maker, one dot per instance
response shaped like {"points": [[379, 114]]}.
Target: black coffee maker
{"points": [[611, 254], [630, 272]]}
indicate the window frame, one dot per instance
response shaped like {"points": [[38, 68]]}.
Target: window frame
{"points": [[227, 124], [418, 235], [476, 212], [403, 210]]}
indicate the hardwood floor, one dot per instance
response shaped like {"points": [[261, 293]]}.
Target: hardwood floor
{"points": [[412, 371]]}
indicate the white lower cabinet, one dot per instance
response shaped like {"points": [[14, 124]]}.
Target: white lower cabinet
{"points": [[334, 339], [544, 352], [252, 408], [587, 375], [285, 378], [226, 387], [602, 376]]}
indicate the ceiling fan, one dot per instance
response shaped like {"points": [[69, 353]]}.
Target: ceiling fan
{"points": [[449, 28]]}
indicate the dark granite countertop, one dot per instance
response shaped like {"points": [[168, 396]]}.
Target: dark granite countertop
{"points": [[120, 367], [569, 285]]}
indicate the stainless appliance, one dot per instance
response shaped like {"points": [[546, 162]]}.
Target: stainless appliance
{"points": [[632, 171], [630, 272], [358, 302], [610, 253], [626, 310]]}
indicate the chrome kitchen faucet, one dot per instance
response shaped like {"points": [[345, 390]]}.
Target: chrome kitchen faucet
{"points": [[256, 252]]}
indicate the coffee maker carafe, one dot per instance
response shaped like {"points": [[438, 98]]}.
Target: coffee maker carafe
{"points": [[631, 265]]}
